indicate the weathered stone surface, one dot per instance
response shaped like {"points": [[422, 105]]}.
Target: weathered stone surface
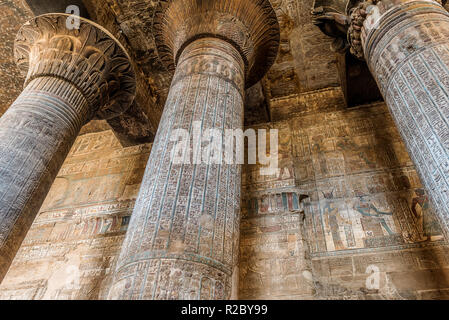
{"points": [[183, 236], [352, 163], [13, 14], [39, 7], [73, 244], [305, 61], [37, 132], [90, 58], [339, 19], [85, 214], [251, 27], [138, 123], [178, 219], [405, 45]]}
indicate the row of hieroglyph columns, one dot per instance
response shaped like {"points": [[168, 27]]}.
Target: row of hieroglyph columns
{"points": [[182, 241]]}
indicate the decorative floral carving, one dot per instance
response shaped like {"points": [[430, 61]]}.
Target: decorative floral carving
{"points": [[250, 25], [358, 15], [89, 57]]}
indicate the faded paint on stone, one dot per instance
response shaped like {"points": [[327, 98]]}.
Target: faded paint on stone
{"points": [[352, 163], [73, 244], [170, 252]]}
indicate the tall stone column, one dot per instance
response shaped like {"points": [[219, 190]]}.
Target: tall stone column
{"points": [[182, 241], [72, 76], [406, 46]]}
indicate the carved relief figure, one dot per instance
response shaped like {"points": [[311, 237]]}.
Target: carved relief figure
{"points": [[427, 226], [373, 219], [318, 149], [334, 221]]}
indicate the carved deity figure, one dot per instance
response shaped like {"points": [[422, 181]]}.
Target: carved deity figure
{"points": [[373, 217], [334, 220]]}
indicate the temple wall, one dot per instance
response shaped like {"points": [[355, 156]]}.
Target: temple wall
{"points": [[12, 16], [366, 220], [69, 253], [365, 212]]}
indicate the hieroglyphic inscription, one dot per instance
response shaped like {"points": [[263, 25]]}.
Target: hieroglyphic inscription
{"points": [[366, 203], [81, 225], [71, 76], [184, 228], [410, 60]]}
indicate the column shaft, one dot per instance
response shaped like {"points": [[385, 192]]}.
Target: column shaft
{"points": [[36, 133], [408, 53], [182, 242]]}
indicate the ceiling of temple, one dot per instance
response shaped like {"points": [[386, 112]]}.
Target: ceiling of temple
{"points": [[305, 61]]}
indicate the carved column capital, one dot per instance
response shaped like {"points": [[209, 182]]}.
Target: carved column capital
{"points": [[88, 57], [344, 20], [251, 26], [357, 16]]}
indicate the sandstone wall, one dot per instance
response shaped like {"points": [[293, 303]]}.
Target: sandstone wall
{"points": [[365, 211]]}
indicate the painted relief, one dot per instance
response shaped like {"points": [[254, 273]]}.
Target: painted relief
{"points": [[353, 199], [366, 193]]}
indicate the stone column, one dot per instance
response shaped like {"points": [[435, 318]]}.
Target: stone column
{"points": [[406, 46], [182, 241], [72, 76]]}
